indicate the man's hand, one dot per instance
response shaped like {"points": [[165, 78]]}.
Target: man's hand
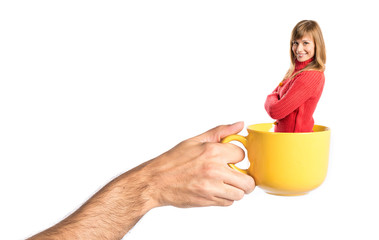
{"points": [[196, 173]]}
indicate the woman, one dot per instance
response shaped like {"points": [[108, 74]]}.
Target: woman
{"points": [[294, 101]]}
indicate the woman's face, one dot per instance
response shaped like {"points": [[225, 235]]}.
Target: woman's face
{"points": [[303, 48]]}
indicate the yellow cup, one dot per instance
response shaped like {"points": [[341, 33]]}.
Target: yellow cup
{"points": [[286, 164]]}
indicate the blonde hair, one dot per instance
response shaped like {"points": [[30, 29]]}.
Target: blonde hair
{"points": [[302, 28]]}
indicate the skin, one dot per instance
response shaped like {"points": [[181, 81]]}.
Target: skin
{"points": [[195, 173], [303, 48]]}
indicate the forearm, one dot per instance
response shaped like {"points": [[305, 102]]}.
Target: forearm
{"points": [[110, 213], [271, 101]]}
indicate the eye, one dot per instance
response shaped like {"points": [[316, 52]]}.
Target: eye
{"points": [[306, 43], [295, 43]]}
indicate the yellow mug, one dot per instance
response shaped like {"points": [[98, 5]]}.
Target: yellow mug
{"points": [[285, 164]]}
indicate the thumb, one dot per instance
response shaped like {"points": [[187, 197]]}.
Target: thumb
{"points": [[218, 133]]}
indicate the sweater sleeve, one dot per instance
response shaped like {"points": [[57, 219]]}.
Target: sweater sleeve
{"points": [[274, 96], [304, 87]]}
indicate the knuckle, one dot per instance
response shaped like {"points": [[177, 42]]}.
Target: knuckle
{"points": [[226, 203], [242, 153], [209, 170], [250, 186], [234, 194], [211, 150], [239, 195], [203, 189], [237, 150]]}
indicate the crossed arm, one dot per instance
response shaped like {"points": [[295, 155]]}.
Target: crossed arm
{"points": [[305, 86], [195, 173]]}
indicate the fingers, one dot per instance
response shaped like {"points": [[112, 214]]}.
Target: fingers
{"points": [[234, 154], [231, 153], [225, 182], [239, 180], [220, 132], [199, 174], [236, 183], [230, 193], [225, 194], [216, 201], [225, 152], [219, 194]]}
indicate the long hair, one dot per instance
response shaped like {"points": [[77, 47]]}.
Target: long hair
{"points": [[312, 28]]}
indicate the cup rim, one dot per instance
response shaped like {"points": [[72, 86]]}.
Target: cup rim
{"points": [[325, 130]]}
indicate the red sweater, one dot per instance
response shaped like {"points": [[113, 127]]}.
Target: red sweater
{"points": [[294, 101]]}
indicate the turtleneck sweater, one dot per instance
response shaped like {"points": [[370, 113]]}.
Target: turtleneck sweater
{"points": [[294, 101]]}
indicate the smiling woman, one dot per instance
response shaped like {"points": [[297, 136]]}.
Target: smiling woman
{"points": [[303, 48], [294, 101]]}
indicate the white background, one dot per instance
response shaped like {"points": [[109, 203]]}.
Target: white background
{"points": [[90, 89]]}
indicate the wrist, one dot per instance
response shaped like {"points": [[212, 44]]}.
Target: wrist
{"points": [[139, 180]]}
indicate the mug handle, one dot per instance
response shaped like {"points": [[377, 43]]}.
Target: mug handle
{"points": [[240, 139]]}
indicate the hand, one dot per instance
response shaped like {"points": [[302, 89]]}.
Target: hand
{"points": [[196, 173]]}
